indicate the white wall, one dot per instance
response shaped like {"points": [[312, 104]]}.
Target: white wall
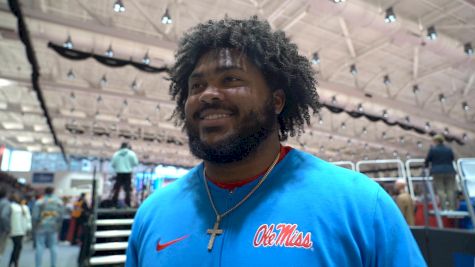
{"points": [[62, 182]]}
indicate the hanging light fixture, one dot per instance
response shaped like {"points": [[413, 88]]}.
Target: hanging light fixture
{"points": [[386, 80], [442, 98], [320, 120], [333, 100], [68, 43], [446, 131], [383, 134], [385, 114], [467, 48], [104, 81], [390, 15], [427, 126], [415, 88], [360, 107], [119, 6], [166, 18], [71, 74], [146, 59], [465, 136], [465, 106], [407, 119], [343, 125], [315, 58], [365, 131], [134, 86], [419, 144], [353, 70], [337, 1], [431, 33], [110, 52]]}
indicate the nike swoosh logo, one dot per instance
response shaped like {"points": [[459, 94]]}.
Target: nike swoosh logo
{"points": [[164, 245]]}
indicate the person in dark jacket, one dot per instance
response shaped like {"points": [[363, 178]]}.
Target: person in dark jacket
{"points": [[5, 214], [440, 159]]}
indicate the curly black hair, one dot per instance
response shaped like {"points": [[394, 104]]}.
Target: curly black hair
{"points": [[272, 52]]}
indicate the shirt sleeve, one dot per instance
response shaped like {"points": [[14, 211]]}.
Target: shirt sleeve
{"points": [[394, 242]]}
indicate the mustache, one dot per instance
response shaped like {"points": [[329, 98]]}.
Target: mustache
{"points": [[213, 105]]}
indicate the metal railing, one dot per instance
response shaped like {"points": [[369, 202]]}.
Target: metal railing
{"points": [[345, 164]]}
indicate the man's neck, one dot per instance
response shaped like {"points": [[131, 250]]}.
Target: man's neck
{"points": [[256, 162]]}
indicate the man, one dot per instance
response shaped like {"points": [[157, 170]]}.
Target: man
{"points": [[404, 201], [439, 159], [80, 213], [240, 90], [5, 214], [123, 162], [47, 218]]}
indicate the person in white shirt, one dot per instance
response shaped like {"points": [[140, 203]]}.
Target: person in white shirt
{"points": [[20, 225]]}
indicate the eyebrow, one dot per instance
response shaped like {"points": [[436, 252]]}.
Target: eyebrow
{"points": [[217, 70]]}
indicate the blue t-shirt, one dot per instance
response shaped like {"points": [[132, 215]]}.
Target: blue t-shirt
{"points": [[307, 213]]}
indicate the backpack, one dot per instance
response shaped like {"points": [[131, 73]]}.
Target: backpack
{"points": [[77, 209], [50, 212]]}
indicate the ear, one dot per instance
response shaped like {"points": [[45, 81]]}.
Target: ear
{"points": [[279, 100]]}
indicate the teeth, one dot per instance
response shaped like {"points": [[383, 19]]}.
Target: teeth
{"points": [[215, 116]]}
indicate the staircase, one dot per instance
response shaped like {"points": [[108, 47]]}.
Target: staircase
{"points": [[109, 240]]}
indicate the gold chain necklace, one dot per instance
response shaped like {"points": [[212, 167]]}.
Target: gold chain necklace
{"points": [[216, 231]]}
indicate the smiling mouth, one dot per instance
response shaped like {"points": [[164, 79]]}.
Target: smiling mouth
{"points": [[215, 116]]}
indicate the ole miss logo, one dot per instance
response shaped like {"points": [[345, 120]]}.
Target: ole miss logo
{"points": [[282, 235]]}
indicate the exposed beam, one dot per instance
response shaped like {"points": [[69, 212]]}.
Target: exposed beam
{"points": [[346, 34], [300, 14], [149, 19], [415, 64]]}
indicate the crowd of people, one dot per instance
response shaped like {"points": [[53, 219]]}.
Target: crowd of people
{"points": [[40, 216]]}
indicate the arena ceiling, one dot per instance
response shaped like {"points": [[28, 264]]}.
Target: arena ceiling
{"points": [[94, 107]]}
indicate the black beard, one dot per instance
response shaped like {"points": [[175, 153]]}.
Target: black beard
{"points": [[256, 128]]}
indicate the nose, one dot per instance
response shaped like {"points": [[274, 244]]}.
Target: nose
{"points": [[211, 94]]}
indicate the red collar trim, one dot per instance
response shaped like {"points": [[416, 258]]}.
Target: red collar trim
{"points": [[232, 185]]}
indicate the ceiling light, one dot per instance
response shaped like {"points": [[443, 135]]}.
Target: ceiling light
{"points": [[465, 106], [71, 74], [415, 88], [446, 131], [390, 16], [442, 98], [146, 59], [348, 141], [338, 1], [99, 99], [395, 153], [364, 130], [353, 70], [134, 86], [333, 100], [5, 82], [166, 18], [465, 136], [419, 144], [401, 140], [68, 43], [366, 146], [427, 126], [110, 52], [72, 95], [119, 6], [431, 33], [125, 103], [320, 120], [407, 119], [343, 125], [360, 107], [315, 58], [330, 137], [386, 80], [467, 48], [157, 108], [385, 114], [103, 81], [383, 134]]}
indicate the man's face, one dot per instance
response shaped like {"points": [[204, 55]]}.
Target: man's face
{"points": [[230, 109]]}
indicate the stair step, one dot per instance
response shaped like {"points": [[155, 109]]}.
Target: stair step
{"points": [[104, 222], [112, 233], [102, 260], [110, 246]]}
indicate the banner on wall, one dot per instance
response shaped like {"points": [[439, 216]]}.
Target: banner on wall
{"points": [[43, 178]]}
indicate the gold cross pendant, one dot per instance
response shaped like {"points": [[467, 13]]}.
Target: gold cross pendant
{"points": [[214, 232]]}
